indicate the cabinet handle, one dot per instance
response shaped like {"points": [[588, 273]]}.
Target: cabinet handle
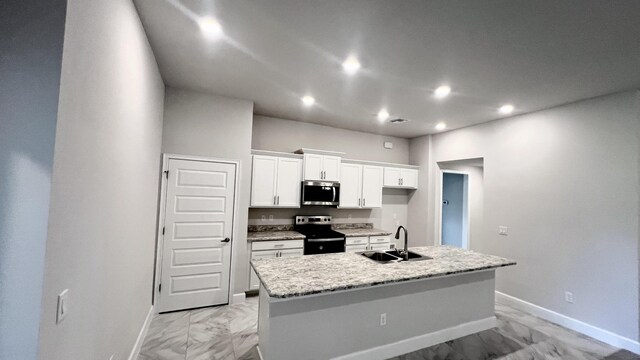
{"points": [[278, 245], [364, 202], [358, 201], [226, 240], [399, 181], [277, 199], [274, 199]]}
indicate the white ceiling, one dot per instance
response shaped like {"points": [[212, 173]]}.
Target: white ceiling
{"points": [[534, 54]]}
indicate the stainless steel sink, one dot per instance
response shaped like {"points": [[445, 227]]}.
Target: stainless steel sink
{"points": [[412, 256], [380, 257], [392, 256]]}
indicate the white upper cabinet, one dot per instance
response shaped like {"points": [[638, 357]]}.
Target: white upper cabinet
{"points": [[372, 177], [263, 180], [360, 186], [288, 182], [321, 167], [350, 186], [275, 181], [400, 178]]}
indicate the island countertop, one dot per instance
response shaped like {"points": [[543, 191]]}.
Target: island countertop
{"points": [[314, 274]]}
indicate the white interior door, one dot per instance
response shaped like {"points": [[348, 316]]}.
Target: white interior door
{"points": [[196, 251]]}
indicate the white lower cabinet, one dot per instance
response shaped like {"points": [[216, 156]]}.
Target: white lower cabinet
{"points": [[368, 243], [273, 249]]}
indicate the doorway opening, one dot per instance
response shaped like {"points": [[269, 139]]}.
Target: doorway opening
{"points": [[460, 201]]}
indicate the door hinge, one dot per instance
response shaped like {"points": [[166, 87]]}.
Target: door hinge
{"points": [[166, 173], [160, 287], [163, 230]]}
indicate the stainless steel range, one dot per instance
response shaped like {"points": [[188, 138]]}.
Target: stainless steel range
{"points": [[319, 237]]}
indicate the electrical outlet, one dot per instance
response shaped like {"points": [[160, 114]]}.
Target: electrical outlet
{"points": [[503, 230], [63, 306], [263, 218], [349, 216], [568, 297], [395, 216], [383, 319], [271, 217]]}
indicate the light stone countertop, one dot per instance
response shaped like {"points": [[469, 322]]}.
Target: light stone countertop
{"points": [[363, 232], [314, 274], [273, 235]]}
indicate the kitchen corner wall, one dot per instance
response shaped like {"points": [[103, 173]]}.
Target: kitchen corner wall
{"points": [[218, 127], [566, 181], [104, 192], [287, 136], [30, 64]]}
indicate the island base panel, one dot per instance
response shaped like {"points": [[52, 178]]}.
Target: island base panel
{"points": [[346, 324]]}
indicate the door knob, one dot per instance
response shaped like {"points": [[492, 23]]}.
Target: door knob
{"points": [[226, 240]]}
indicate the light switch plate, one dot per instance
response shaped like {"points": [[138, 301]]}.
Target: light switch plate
{"points": [[503, 230], [63, 305]]}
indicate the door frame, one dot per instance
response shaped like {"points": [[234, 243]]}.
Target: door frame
{"points": [[466, 242], [157, 276]]}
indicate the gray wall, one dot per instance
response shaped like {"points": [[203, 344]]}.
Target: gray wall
{"points": [[104, 192], [565, 182], [30, 63], [219, 127], [288, 136]]}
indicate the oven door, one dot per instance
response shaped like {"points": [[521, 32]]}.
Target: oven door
{"points": [[324, 246], [320, 193]]}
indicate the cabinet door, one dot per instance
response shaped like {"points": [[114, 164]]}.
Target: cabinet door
{"points": [[331, 167], [288, 182], [312, 167], [350, 185], [371, 186], [263, 180], [409, 178], [254, 282], [392, 177], [356, 248]]}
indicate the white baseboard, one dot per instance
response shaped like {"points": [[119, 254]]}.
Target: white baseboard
{"points": [[421, 341], [603, 335], [238, 298], [141, 335]]}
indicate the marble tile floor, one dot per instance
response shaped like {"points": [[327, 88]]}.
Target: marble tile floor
{"points": [[230, 332]]}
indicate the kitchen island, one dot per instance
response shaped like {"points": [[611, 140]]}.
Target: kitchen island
{"points": [[346, 306]]}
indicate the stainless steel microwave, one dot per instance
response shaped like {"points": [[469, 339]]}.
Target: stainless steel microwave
{"points": [[320, 193]]}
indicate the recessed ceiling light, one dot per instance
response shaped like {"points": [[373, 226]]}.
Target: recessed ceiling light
{"points": [[383, 115], [506, 109], [351, 65], [210, 27], [308, 100], [442, 92], [441, 126]]}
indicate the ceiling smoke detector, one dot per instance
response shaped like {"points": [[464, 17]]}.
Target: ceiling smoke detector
{"points": [[398, 121]]}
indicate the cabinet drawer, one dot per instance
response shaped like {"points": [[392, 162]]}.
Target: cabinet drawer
{"points": [[379, 247], [379, 239], [363, 240], [357, 248], [277, 245]]}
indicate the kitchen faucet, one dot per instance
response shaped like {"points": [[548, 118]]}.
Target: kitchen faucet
{"points": [[404, 253]]}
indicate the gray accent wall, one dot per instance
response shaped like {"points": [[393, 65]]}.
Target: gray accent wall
{"points": [[566, 183], [288, 136], [218, 127], [31, 41], [104, 193]]}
